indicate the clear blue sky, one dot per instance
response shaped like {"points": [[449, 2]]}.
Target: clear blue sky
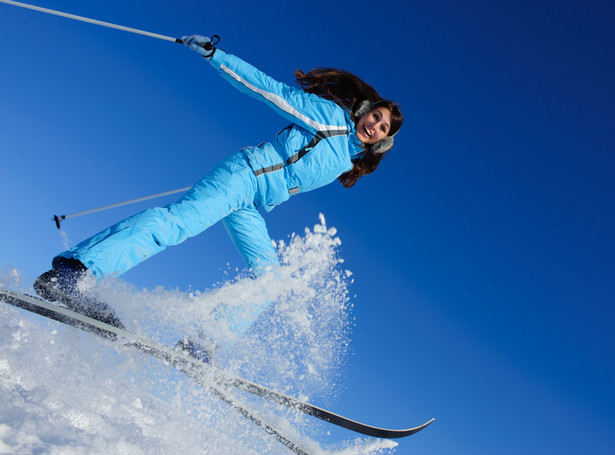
{"points": [[482, 250]]}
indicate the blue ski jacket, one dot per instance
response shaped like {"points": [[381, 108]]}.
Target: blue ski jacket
{"points": [[313, 151]]}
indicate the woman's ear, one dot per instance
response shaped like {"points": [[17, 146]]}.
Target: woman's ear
{"points": [[363, 109], [384, 145]]}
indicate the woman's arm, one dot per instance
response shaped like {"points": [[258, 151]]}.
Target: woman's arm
{"points": [[308, 110]]}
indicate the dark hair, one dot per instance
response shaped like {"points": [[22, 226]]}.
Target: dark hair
{"points": [[349, 91]]}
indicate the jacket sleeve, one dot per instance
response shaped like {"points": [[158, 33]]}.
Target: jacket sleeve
{"points": [[306, 109]]}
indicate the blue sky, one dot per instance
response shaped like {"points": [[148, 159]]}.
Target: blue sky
{"points": [[482, 249]]}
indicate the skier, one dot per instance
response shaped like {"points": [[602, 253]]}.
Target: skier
{"points": [[340, 129]]}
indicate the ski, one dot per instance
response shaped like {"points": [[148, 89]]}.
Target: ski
{"points": [[204, 374], [178, 360]]}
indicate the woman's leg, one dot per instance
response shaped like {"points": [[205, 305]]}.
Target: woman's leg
{"points": [[248, 230], [230, 186]]}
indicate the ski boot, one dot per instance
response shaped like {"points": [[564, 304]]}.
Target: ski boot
{"points": [[60, 284]]}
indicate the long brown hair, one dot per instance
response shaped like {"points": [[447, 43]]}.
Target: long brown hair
{"points": [[349, 91]]}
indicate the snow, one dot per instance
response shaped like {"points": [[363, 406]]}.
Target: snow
{"points": [[67, 392]]}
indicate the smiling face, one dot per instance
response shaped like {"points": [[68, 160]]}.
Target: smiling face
{"points": [[374, 126]]}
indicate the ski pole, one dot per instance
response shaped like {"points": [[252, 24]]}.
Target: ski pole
{"points": [[92, 21], [208, 46], [59, 219]]}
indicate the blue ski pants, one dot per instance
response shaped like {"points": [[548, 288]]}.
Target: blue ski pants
{"points": [[229, 192]]}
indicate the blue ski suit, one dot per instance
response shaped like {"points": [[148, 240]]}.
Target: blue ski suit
{"points": [[313, 151]]}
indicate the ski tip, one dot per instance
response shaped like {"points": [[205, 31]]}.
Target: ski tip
{"points": [[426, 424], [411, 431], [395, 434]]}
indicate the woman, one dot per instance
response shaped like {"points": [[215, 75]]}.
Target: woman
{"points": [[340, 129]]}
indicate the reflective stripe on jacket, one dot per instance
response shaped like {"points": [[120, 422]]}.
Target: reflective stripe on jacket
{"points": [[313, 151]]}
